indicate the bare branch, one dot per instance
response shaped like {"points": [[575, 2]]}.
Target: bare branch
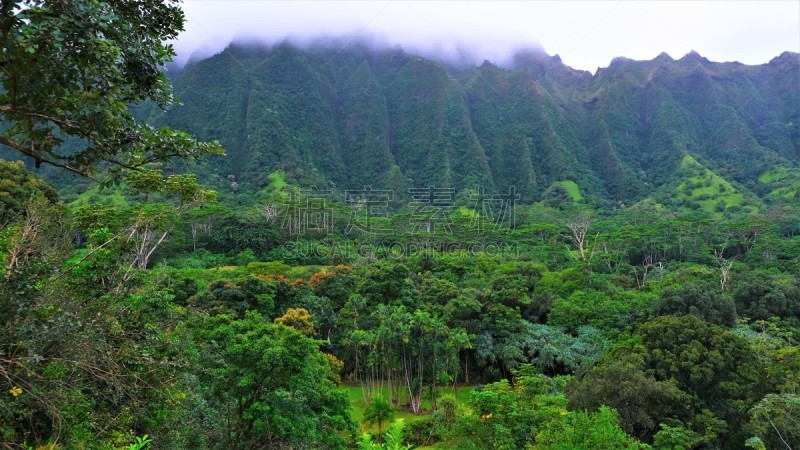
{"points": [[578, 230], [40, 158]]}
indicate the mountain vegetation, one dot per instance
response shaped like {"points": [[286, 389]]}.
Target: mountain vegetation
{"points": [[349, 116]]}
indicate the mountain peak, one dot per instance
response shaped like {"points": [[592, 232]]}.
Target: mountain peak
{"points": [[537, 62], [693, 56], [619, 60], [531, 55], [663, 56], [787, 56]]}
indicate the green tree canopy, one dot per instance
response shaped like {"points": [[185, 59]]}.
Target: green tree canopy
{"points": [[271, 384], [72, 68], [676, 369], [17, 187]]}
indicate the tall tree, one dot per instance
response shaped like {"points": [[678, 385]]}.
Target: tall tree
{"points": [[268, 385], [73, 68]]}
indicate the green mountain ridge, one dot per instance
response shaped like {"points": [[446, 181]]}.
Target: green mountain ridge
{"points": [[346, 117]]}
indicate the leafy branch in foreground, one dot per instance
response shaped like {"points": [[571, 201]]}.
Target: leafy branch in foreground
{"points": [[73, 68]]}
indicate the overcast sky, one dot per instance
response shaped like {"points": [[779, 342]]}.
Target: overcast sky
{"points": [[586, 35]]}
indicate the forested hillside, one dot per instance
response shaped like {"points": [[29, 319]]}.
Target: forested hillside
{"points": [[351, 116]]}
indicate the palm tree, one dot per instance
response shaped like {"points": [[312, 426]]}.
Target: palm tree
{"points": [[378, 411]]}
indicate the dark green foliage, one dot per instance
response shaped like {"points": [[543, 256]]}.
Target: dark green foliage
{"points": [[621, 381], [713, 364], [249, 294], [232, 234], [761, 295], [387, 283], [678, 369], [702, 300]]}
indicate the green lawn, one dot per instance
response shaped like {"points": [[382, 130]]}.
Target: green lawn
{"points": [[357, 405]]}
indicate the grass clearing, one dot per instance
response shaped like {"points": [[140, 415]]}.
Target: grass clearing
{"points": [[357, 405], [784, 181], [111, 196], [573, 190], [707, 189], [277, 180]]}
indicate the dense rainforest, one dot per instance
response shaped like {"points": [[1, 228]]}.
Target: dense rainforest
{"points": [[393, 252]]}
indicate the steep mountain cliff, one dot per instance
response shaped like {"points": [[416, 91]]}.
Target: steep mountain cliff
{"points": [[346, 117]]}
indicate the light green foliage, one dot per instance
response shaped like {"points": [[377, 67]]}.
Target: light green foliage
{"points": [[279, 387], [187, 190], [588, 308], [676, 438], [99, 195], [530, 415], [705, 188], [268, 268], [784, 181], [277, 181], [145, 181], [598, 431], [394, 439], [755, 443], [774, 420], [573, 190], [141, 443], [505, 418]]}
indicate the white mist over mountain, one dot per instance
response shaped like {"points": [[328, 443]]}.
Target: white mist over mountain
{"points": [[586, 35]]}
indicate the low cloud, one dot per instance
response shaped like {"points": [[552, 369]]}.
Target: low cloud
{"points": [[586, 35]]}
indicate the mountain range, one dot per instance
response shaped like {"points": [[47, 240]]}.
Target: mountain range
{"points": [[348, 116]]}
